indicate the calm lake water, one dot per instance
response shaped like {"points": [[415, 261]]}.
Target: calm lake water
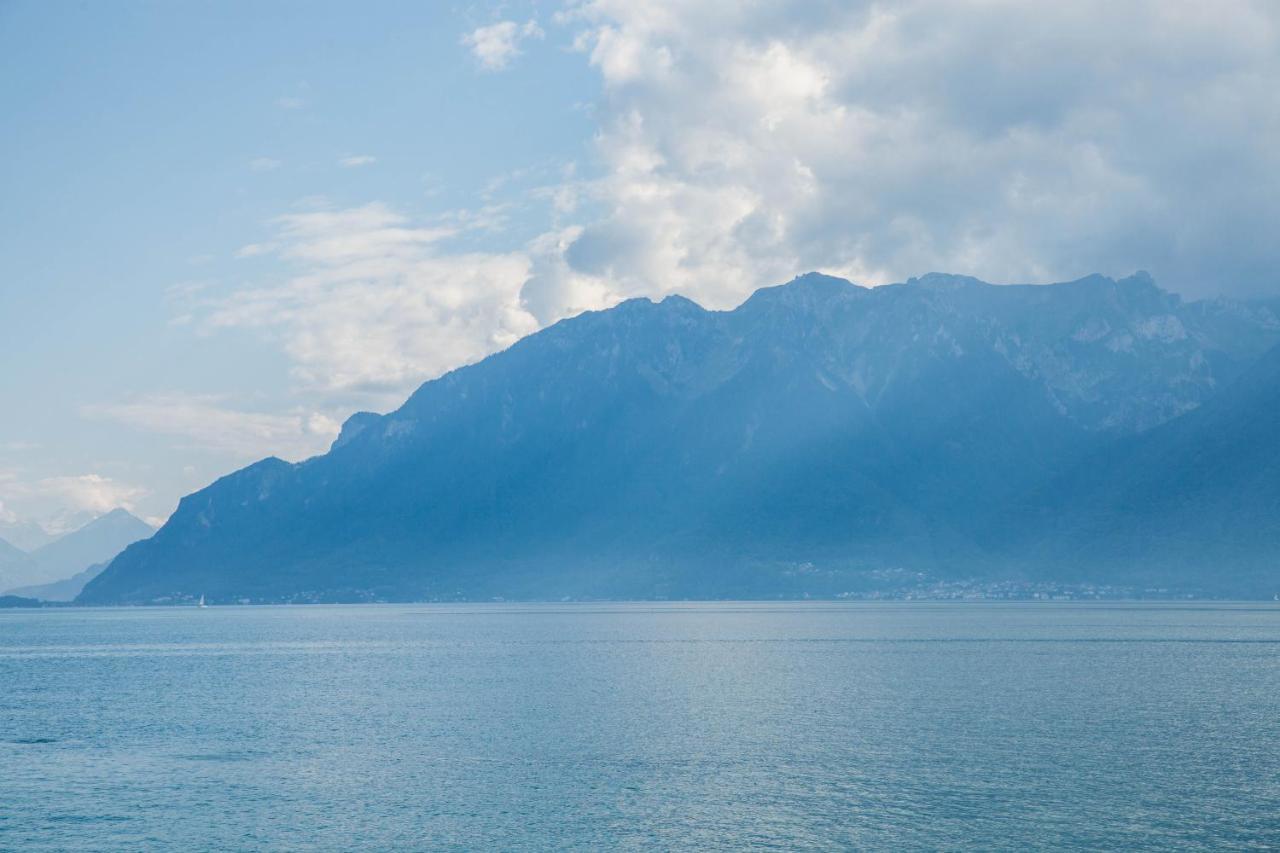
{"points": [[641, 726]]}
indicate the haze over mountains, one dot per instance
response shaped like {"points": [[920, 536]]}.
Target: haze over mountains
{"points": [[1192, 503], [821, 439], [26, 536], [9, 556], [86, 548]]}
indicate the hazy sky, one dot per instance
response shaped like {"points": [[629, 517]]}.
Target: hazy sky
{"points": [[224, 227]]}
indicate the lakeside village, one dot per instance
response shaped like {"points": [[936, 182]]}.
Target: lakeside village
{"points": [[973, 589]]}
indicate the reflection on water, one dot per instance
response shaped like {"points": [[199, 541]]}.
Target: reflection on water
{"points": [[645, 725]]}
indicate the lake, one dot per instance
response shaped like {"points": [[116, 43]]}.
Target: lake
{"points": [[594, 726]]}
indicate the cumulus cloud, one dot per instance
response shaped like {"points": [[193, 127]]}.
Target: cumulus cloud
{"points": [[263, 164], [91, 493], [357, 160], [209, 422], [372, 304], [67, 501], [496, 45], [741, 143], [35, 509]]}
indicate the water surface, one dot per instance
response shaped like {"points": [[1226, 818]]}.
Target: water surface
{"points": [[641, 725]]}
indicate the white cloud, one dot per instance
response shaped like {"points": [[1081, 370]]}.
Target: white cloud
{"points": [[92, 493], [253, 250], [290, 103], [34, 508], [739, 144], [370, 232], [373, 305], [63, 502], [496, 45], [742, 143], [263, 164], [357, 160], [209, 422]]}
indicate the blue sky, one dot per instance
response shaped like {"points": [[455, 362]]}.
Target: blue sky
{"points": [[227, 226]]}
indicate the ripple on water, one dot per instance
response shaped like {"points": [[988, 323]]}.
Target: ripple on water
{"points": [[682, 726]]}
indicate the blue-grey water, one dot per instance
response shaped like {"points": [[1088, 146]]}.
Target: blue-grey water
{"points": [[641, 726]]}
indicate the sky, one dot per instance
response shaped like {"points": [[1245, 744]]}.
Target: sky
{"points": [[225, 227]]}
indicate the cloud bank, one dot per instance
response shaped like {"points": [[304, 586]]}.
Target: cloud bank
{"points": [[373, 305], [63, 502], [210, 422], [1016, 141], [739, 144]]}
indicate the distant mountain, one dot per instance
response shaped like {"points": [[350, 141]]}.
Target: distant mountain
{"points": [[25, 535], [816, 440], [63, 590], [96, 542]]}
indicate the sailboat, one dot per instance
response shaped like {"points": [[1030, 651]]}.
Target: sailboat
{"points": [[202, 604]]}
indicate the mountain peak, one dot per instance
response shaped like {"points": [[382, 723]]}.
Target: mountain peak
{"points": [[820, 282], [116, 515], [118, 519], [1142, 284], [805, 291], [684, 303], [353, 426], [946, 281]]}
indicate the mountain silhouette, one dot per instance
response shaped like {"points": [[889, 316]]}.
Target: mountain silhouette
{"points": [[820, 439]]}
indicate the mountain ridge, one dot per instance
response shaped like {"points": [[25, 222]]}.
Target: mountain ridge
{"points": [[661, 449], [95, 542]]}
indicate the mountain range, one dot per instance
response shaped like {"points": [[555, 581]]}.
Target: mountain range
{"points": [[821, 439], [27, 536], [61, 590], [93, 544]]}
